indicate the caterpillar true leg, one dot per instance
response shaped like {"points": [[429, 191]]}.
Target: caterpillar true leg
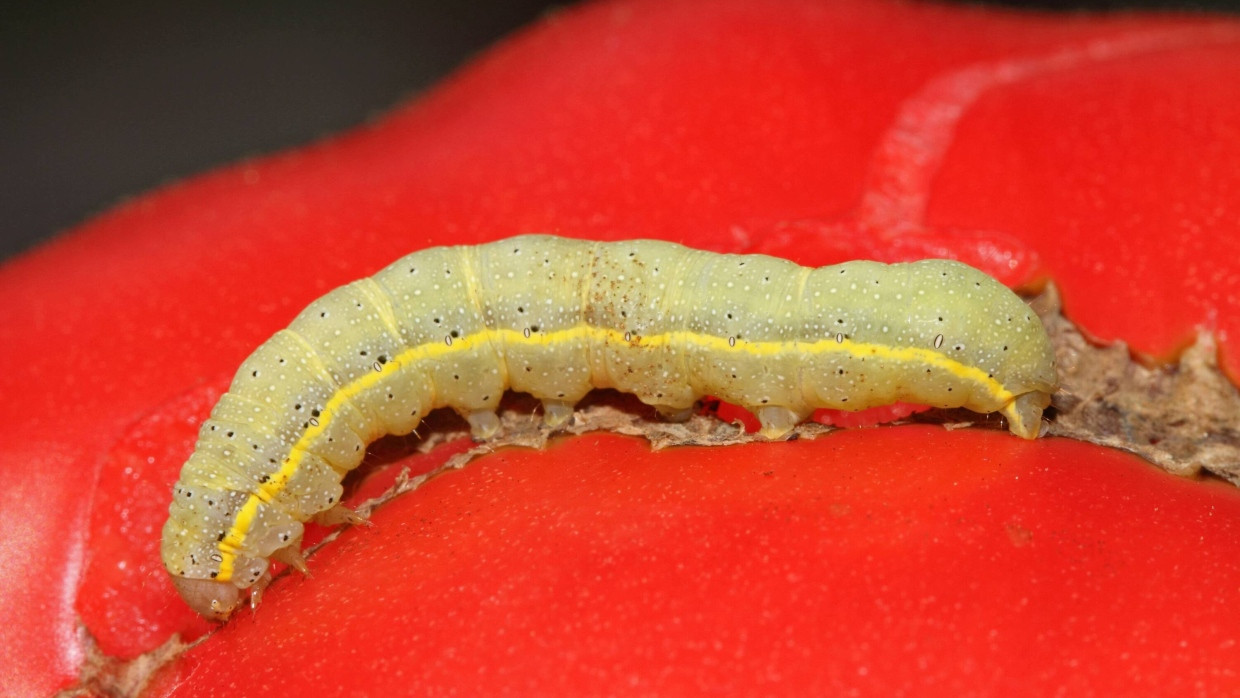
{"points": [[340, 514], [291, 556]]}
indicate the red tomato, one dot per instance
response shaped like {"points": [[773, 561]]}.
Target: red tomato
{"points": [[1097, 151]]}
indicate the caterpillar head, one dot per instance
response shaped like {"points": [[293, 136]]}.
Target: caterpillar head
{"points": [[212, 599]]}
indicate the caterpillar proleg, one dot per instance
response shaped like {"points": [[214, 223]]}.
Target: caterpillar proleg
{"points": [[554, 317]]}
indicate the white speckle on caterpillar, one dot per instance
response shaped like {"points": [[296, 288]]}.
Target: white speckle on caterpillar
{"points": [[667, 323]]}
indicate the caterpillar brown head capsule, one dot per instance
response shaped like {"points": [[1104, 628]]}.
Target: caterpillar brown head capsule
{"points": [[553, 317]]}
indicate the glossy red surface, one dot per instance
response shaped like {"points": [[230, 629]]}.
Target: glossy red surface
{"points": [[878, 560], [1095, 151]]}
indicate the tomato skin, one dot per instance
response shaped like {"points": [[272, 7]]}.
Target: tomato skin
{"points": [[982, 563], [879, 561]]}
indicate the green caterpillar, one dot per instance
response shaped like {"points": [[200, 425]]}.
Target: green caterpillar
{"points": [[554, 317]]}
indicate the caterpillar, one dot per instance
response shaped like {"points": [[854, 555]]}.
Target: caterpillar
{"points": [[554, 317]]}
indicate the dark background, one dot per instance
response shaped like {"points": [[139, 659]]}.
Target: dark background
{"points": [[99, 100]]}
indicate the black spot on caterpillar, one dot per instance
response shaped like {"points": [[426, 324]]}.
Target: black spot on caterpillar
{"points": [[553, 317]]}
